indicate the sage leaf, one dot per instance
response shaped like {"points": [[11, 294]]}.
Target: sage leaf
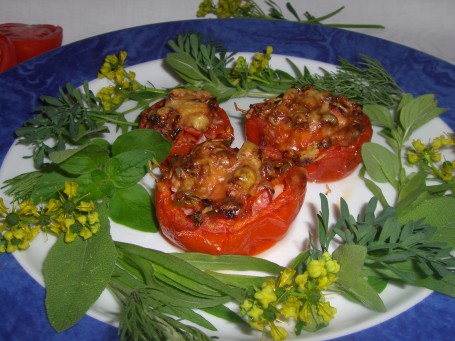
{"points": [[133, 207], [362, 291], [438, 212], [75, 274], [381, 164], [379, 115]]}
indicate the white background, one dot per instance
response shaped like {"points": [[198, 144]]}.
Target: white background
{"points": [[426, 25]]}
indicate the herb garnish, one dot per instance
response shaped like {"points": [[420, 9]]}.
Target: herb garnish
{"points": [[250, 9]]}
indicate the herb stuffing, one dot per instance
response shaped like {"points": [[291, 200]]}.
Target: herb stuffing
{"points": [[82, 182]]}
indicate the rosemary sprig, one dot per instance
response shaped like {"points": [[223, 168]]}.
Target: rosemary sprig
{"points": [[250, 9]]}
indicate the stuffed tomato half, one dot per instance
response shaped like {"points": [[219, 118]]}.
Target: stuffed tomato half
{"points": [[317, 130], [224, 200], [187, 118]]}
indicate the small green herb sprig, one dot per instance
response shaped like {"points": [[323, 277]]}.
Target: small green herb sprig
{"points": [[250, 9], [78, 115], [206, 65]]}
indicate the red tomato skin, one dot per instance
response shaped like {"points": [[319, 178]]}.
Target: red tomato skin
{"points": [[32, 40], [337, 161], [219, 235], [7, 53]]}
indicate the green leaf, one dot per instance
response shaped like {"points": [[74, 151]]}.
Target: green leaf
{"points": [[229, 262], [381, 164], [377, 283], [81, 160], [48, 186], [179, 267], [103, 183], [351, 259], [142, 139], [363, 292], [418, 112], [438, 212], [126, 169], [75, 274], [133, 207], [379, 115], [186, 68]]}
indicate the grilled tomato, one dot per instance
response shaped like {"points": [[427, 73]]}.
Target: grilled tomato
{"points": [[317, 130], [224, 200], [188, 117]]}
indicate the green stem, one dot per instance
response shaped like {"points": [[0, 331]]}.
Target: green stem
{"points": [[112, 120]]}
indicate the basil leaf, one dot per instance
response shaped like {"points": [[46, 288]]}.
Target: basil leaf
{"points": [[142, 139], [126, 169], [75, 275], [133, 207], [85, 160]]}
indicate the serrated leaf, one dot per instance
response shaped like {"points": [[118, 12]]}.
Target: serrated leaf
{"points": [[75, 274]]}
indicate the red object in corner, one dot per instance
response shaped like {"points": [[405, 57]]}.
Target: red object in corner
{"points": [[32, 40]]}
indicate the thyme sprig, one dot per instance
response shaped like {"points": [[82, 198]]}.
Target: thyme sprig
{"points": [[250, 9]]}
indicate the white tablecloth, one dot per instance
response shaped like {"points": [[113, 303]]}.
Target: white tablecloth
{"points": [[426, 25]]}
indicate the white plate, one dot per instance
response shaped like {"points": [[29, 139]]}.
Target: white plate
{"points": [[350, 317]]}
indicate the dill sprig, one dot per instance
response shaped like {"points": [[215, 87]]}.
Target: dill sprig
{"points": [[368, 82]]}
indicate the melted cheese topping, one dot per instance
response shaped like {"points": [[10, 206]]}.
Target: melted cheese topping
{"points": [[191, 107]]}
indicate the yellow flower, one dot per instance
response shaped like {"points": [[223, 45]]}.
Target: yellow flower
{"points": [[3, 209], [70, 189], [305, 314], [70, 236], [316, 268], [286, 277], [291, 307], [278, 333], [93, 218], [326, 311], [418, 145], [255, 313], [245, 306], [266, 295], [86, 206], [413, 157], [332, 266], [301, 280]]}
